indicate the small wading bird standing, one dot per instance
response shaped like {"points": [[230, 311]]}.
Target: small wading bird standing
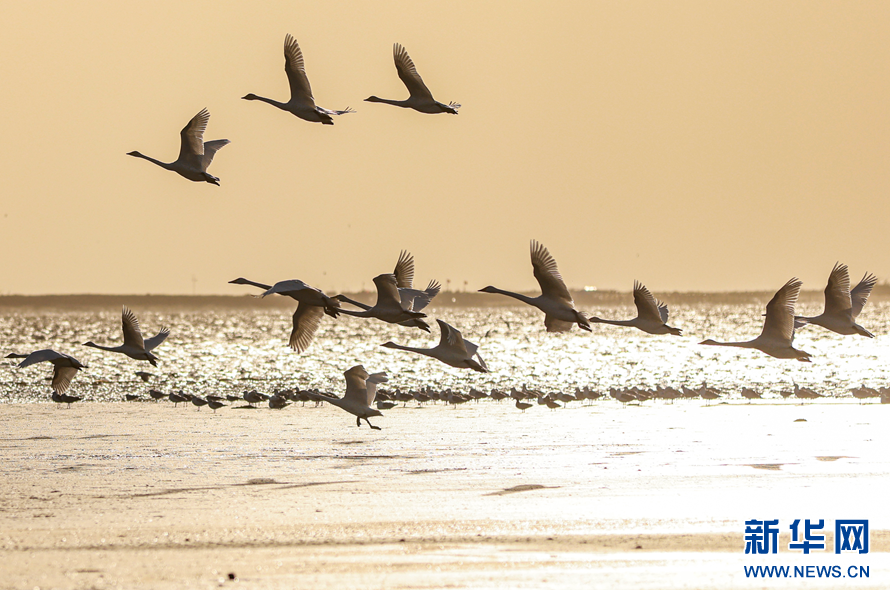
{"points": [[410, 298], [301, 103], [842, 305], [555, 300], [195, 154], [778, 328], [313, 303], [420, 99], [652, 314], [134, 346], [361, 389], [452, 350], [65, 367]]}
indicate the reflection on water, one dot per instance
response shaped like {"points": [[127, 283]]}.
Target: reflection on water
{"points": [[225, 351]]}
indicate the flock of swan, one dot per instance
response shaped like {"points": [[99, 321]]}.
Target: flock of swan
{"points": [[399, 302], [195, 155]]}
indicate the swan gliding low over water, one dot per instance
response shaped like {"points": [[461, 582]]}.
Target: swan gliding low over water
{"points": [[301, 103], [389, 306], [195, 154], [134, 346], [361, 389], [555, 300], [411, 298], [313, 303], [842, 305], [778, 328], [452, 350], [652, 314], [420, 99], [65, 367]]}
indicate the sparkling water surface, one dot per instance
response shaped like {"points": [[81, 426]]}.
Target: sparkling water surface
{"points": [[228, 351]]}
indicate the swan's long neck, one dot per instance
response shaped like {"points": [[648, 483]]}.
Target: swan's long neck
{"points": [[353, 302], [596, 320], [165, 165], [748, 344], [281, 105], [816, 320], [396, 103], [519, 296], [108, 348], [423, 351], [356, 314], [254, 284]]}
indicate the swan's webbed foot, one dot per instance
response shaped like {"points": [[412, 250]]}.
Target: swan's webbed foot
{"points": [[371, 425], [358, 422]]}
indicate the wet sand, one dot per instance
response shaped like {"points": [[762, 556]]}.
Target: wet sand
{"points": [[144, 495]]}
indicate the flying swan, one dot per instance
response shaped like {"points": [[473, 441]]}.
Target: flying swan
{"points": [[420, 99], [301, 103], [195, 154]]}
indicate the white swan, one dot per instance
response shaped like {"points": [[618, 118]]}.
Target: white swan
{"points": [[301, 103], [555, 300], [134, 346], [65, 367], [452, 350], [195, 154], [420, 99], [361, 389], [652, 314], [388, 307], [313, 303], [841, 304], [411, 298], [778, 328]]}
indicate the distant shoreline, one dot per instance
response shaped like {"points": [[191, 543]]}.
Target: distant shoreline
{"points": [[445, 299]]}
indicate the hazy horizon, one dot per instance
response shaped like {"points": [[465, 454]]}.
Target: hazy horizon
{"points": [[694, 146]]}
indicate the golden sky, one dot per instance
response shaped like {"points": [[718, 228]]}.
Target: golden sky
{"points": [[690, 145]]}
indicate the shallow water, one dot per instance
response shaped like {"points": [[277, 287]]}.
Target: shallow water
{"points": [[226, 351]]}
